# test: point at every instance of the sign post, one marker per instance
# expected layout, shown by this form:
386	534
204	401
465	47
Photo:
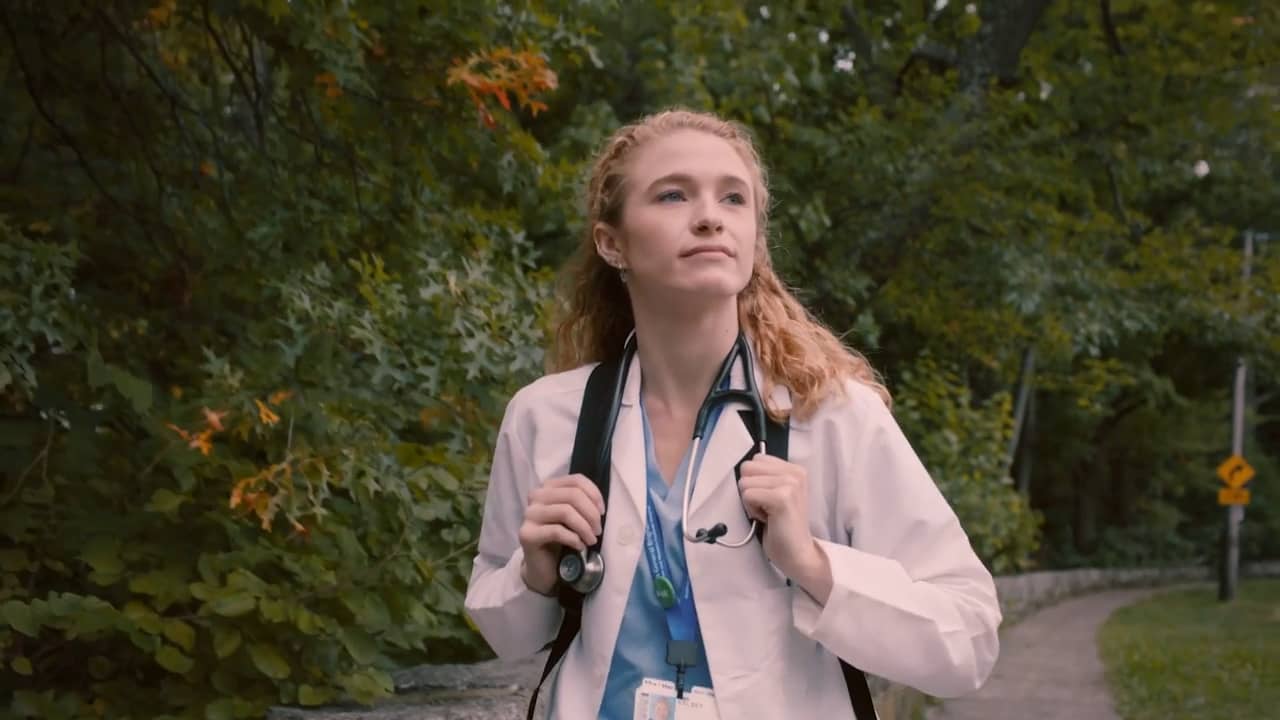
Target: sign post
1234	496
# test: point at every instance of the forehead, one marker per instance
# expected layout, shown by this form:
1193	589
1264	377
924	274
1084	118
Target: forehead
686	152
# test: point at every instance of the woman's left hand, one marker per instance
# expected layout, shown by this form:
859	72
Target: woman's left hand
776	492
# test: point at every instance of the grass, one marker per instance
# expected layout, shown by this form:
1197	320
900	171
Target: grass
1185	655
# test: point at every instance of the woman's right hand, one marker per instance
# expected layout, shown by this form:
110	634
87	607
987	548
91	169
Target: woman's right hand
564	512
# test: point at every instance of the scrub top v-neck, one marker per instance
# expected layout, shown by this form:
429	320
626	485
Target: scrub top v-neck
641	648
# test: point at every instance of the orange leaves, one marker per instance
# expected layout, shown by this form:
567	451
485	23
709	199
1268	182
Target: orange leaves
500	74
215	421
202	439
159	16
329	82
260	494
271	489
265	414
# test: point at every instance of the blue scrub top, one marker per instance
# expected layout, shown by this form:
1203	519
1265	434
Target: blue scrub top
641	650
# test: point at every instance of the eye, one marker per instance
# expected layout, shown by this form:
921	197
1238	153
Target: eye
671	195
736	198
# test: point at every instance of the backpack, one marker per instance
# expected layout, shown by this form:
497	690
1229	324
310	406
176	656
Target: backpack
592	450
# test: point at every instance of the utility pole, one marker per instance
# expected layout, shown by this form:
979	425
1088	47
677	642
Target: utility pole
1025	382
1235	513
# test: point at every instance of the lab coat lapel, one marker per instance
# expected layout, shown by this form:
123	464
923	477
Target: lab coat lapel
729	443
628	445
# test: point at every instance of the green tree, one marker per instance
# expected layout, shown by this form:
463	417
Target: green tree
266	290
269	272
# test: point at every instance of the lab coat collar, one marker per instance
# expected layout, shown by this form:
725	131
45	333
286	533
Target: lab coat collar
781	396
729	441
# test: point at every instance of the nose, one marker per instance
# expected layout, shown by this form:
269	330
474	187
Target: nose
708	225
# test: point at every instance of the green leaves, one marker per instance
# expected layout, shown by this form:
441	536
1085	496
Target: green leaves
233	604
22	666
180	634
18	616
268	661
172	659
134	389
360	644
166	502
103	555
226	640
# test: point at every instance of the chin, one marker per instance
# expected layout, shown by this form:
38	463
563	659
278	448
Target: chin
705	291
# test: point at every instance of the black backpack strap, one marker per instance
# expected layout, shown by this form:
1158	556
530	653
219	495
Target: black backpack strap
859	693
776	437
591	459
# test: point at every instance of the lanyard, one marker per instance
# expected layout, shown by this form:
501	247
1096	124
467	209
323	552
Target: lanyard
682	619
677	604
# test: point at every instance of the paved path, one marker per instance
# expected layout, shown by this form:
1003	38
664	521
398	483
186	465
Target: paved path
1049	667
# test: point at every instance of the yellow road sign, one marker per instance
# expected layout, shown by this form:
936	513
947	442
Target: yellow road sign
1235	471
1233	496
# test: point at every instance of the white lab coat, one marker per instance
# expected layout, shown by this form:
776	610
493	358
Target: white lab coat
910	602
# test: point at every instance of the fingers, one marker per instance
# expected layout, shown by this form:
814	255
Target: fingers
581	483
565	511
771	472
568	497
761	503
533	535
566	516
769	465
770	486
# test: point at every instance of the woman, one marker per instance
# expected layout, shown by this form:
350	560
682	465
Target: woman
861	559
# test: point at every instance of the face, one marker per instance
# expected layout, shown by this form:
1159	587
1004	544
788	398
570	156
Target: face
688	224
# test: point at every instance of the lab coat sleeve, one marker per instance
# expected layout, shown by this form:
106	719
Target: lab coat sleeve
514	620
910	600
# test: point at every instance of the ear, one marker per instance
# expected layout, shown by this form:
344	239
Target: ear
609	244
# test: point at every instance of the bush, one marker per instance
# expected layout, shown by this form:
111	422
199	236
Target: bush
255	344
963	444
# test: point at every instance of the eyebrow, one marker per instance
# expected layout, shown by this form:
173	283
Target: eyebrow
686	179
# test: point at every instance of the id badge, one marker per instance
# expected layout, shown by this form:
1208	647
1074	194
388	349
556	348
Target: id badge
656	700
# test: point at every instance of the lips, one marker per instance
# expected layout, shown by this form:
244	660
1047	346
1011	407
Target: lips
705	249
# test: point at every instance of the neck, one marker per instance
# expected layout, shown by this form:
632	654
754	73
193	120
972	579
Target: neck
681	353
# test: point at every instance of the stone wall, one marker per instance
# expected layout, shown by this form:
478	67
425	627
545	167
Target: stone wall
498	689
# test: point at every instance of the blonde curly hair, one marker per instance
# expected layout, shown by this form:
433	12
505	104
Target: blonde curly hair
594	316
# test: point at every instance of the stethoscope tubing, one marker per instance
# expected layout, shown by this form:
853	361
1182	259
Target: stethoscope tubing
751	395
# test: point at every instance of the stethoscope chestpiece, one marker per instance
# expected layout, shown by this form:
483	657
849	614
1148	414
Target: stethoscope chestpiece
582	571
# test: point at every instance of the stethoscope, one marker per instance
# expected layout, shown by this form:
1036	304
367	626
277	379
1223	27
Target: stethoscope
584	570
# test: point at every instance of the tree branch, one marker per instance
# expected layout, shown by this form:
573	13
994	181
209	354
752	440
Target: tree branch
856	34
937	56
249	97
105	78
996	49
67	138
247	38
145	66
866	55
14	174
223	166
1109	28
